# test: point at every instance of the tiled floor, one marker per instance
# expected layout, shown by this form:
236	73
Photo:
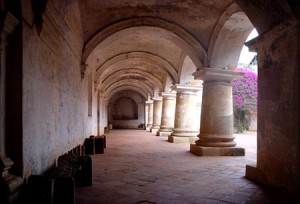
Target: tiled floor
139	167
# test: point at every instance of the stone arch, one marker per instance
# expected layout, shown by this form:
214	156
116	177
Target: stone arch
132	73
228	38
171	31
126	109
118	61
132	82
128	87
266	14
168	84
186	70
129	113
131	79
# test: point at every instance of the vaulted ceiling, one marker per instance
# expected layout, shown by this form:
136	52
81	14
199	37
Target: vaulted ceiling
153	44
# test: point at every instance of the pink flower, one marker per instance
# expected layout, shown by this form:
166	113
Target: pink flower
244	91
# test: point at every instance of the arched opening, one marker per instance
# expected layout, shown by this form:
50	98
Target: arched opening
245	90
126	110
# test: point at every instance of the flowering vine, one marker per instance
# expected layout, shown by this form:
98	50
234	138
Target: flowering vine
244	93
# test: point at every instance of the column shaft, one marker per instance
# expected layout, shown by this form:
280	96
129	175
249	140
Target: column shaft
168	114
185	126
217	116
150	115
157	108
146	114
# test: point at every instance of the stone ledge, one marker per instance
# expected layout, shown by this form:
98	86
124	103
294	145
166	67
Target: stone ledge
217	151
174	139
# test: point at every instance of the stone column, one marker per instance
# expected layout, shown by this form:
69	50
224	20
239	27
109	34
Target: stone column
168	114
198	107
157	107
185	127
146	114
150	114
216	133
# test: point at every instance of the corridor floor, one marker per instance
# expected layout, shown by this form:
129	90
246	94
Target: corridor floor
139	167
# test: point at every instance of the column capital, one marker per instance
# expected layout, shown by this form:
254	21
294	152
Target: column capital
157	98
168	94
148	101
179	88
217	75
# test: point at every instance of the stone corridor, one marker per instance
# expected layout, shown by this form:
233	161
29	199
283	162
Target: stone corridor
139	167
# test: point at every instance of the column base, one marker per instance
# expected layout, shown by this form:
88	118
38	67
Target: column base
176	139
154	130
253	173
217	151
164	133
148	127
10	185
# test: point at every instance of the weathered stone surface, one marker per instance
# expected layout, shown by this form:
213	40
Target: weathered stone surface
278	110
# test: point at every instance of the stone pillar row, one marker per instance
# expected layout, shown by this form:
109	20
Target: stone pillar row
216	128
173	114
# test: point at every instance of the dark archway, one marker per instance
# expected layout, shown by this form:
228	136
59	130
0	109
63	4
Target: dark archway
125	109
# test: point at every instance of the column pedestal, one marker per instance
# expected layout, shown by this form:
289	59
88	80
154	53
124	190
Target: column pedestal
185	130
216	133
9	184
168	114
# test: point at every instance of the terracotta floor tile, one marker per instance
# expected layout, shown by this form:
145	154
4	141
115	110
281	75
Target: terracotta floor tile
138	167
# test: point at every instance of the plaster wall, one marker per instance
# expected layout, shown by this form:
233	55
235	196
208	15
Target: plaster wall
55	106
102	114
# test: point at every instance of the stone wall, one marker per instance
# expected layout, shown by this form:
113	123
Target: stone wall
55	110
